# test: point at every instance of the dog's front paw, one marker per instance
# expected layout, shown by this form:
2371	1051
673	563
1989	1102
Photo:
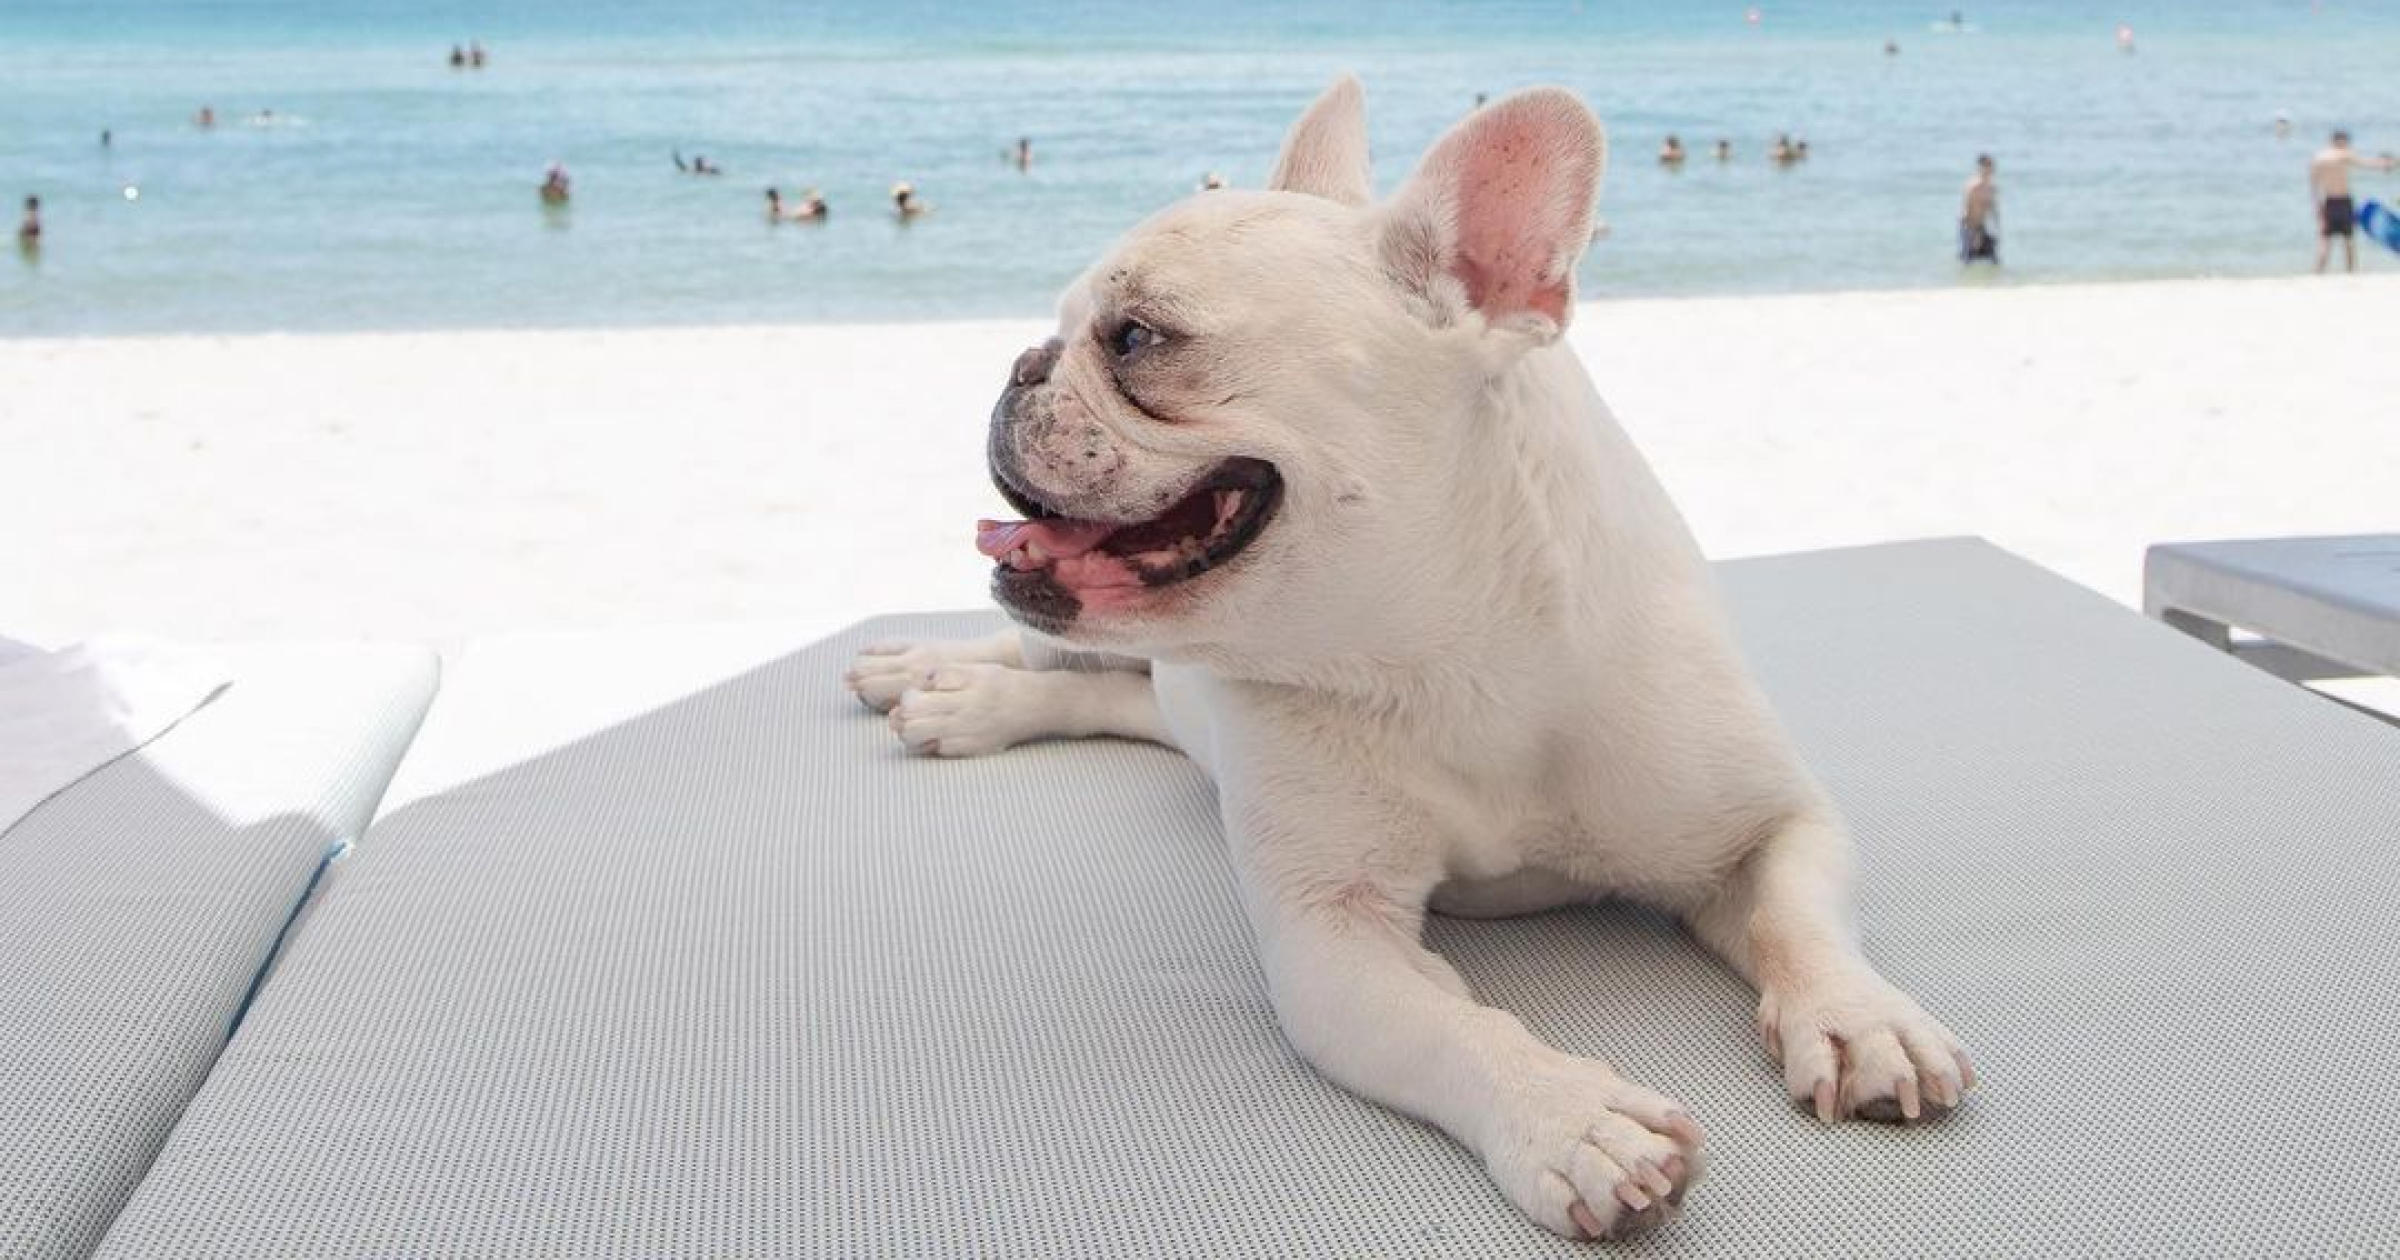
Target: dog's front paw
967	711
881	672
1588	1153
1853	1045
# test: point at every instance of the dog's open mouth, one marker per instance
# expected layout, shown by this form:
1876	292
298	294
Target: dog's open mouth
1224	512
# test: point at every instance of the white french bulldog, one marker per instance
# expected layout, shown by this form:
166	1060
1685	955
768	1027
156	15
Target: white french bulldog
1356	533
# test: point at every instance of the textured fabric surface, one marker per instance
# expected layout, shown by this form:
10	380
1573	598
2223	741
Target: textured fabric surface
734	977
138	906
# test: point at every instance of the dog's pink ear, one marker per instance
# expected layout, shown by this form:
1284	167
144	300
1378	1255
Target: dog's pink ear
1499	212
1325	154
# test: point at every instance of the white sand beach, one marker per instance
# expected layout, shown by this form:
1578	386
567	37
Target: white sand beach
445	485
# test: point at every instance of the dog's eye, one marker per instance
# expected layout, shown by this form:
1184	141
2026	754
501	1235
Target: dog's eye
1130	336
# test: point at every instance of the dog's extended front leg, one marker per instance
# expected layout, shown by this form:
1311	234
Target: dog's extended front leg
1575	1146
974	710
882	672
1851	1044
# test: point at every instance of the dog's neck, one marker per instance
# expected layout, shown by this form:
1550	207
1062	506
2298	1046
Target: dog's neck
1580	534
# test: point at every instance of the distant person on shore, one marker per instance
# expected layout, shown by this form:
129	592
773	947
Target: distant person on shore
1724	150
1891	48
1211	182
29	229
1024	157
1671	153
905	205
458	57
1979	216
205	119
2329	183
475	56
556	186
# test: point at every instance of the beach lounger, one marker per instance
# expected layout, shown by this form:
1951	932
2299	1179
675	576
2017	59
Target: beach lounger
664	948
2326	607
138	907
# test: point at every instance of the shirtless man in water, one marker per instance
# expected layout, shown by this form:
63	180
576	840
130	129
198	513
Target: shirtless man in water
1979	216
2329	183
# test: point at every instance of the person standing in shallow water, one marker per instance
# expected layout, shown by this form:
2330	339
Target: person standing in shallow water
29	229
1979	215
2329	184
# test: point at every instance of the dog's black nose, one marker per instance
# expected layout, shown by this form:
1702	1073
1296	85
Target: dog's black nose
1033	366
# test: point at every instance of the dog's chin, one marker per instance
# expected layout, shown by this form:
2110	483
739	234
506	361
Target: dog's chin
1107	583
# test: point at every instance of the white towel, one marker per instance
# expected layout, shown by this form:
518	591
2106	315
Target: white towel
67	713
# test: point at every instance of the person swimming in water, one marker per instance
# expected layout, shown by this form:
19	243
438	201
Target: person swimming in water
1670	154
1024	158
699	165
812	206
458	57
905	205
475	56
29	229
1724	150
206	118
556	186
1211	182
1781	153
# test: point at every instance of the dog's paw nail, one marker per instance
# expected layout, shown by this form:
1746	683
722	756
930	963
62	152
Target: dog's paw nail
1825	1112
1631	1196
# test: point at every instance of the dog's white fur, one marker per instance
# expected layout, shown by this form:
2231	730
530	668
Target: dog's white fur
1475	662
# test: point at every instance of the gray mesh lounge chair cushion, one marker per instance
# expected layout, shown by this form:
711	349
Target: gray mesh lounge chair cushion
735	977
137	907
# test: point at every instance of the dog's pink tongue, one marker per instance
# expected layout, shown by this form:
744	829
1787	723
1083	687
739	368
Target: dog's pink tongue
1058	540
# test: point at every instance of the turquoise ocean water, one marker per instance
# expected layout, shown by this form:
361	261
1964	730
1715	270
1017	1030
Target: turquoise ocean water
394	192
